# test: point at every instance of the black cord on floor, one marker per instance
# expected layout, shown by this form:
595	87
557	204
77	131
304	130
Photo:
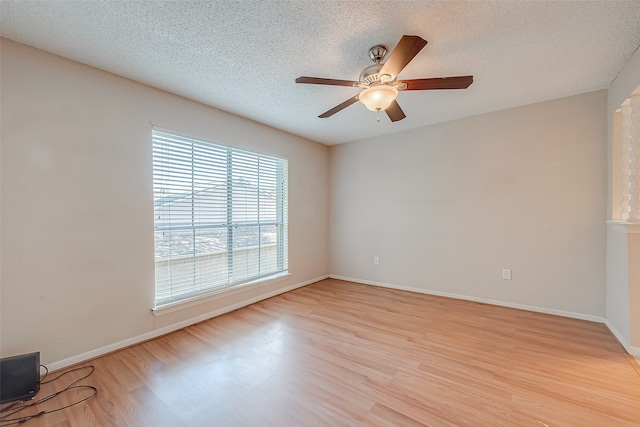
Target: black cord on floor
5	419
46	372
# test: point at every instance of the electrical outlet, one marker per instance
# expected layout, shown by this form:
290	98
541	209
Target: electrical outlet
506	274
376	260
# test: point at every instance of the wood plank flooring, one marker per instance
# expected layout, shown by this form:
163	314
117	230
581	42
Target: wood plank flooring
337	353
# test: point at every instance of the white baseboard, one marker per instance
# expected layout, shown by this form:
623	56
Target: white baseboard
621	339
171	328
563	313
634	351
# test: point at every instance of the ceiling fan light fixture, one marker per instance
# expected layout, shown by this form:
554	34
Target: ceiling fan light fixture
379	97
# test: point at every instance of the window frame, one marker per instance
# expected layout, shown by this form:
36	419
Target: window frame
231	225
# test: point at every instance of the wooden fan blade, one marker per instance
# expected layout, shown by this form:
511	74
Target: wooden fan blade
340	107
407	48
320	81
458	82
394	112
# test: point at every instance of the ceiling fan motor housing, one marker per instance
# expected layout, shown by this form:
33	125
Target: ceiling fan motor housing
371	74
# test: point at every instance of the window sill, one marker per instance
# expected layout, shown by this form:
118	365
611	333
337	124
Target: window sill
625	227
212	296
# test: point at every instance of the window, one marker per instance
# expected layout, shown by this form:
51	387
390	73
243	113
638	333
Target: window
220	217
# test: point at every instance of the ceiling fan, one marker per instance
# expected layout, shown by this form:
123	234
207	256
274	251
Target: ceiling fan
380	82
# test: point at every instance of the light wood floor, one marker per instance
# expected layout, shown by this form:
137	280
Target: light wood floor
343	354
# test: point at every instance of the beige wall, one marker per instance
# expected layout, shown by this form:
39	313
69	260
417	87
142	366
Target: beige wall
617	301
447	206
77	211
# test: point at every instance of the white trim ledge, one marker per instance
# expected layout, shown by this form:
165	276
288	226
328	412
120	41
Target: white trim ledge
582	316
215	295
625	227
171	328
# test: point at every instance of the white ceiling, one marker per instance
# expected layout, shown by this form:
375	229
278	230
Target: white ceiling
243	56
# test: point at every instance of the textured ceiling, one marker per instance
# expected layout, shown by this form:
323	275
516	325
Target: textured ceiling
243	56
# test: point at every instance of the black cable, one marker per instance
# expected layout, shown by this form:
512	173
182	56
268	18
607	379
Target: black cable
68	372
6	408
51	396
23	419
45	373
5	421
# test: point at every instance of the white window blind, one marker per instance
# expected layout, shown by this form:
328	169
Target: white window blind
220	216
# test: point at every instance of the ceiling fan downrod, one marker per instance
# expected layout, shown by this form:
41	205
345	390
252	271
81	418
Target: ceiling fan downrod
377	53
